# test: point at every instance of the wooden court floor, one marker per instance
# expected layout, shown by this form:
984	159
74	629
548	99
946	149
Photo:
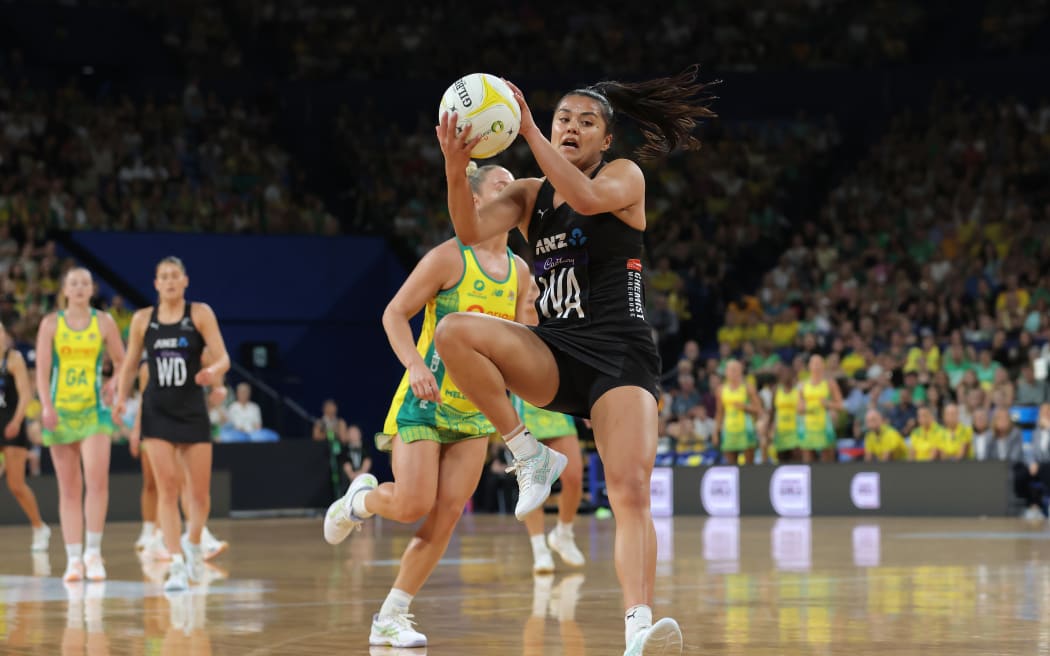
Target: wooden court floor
754	586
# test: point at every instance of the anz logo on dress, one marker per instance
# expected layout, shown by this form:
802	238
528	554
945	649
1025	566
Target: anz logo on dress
560	293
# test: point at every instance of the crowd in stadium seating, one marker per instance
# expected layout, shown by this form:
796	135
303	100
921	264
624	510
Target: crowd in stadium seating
321	40
106	163
925	284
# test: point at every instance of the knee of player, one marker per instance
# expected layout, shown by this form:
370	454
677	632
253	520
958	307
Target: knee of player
454	330
97	484
573	475
17	488
630	483
413	511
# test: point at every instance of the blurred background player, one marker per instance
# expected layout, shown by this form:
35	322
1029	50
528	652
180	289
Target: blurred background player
736	407
557	431
820	397
15	393
784	426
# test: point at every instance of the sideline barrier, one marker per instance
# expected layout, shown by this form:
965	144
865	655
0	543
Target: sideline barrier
124	489
964	489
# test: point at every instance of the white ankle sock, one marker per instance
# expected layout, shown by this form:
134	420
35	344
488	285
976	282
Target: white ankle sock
539	545
564	529
521	443
74	551
637	619
94	543
397	603
357	504
148	528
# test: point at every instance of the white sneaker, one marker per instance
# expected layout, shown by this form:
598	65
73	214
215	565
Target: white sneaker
382	650
144	539
194	559
395	631
212	546
155	549
1033	513
543	563
74	571
96	569
178	578
565	545
661	639
41	538
41	564
536	475
340	519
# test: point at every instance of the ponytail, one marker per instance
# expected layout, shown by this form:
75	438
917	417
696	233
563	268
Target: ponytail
476	175
666	109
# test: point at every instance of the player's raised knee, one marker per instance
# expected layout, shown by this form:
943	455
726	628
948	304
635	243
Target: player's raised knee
453	331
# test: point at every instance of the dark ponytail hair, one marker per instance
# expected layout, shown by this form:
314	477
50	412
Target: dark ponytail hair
666	109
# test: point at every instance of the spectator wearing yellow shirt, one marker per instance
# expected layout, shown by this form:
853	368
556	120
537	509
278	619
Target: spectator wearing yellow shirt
1013	289
784	330
882	443
929	352
956	438
925	439
663	278
732	333
858	358
755	330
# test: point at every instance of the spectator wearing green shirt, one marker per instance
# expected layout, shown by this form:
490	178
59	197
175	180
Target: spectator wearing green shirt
956	363
765	360
986	368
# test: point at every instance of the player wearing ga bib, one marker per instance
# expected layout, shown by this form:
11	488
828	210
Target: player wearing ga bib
956	439
785	432
76	382
543	424
455	418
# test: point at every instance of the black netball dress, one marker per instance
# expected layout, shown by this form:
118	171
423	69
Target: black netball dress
174	408
591	305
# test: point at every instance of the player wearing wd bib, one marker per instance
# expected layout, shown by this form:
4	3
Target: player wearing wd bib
76	382
785	425
174	334
455	418
956	439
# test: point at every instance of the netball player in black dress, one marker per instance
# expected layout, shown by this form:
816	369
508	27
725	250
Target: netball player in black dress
592	354
15	394
174	334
